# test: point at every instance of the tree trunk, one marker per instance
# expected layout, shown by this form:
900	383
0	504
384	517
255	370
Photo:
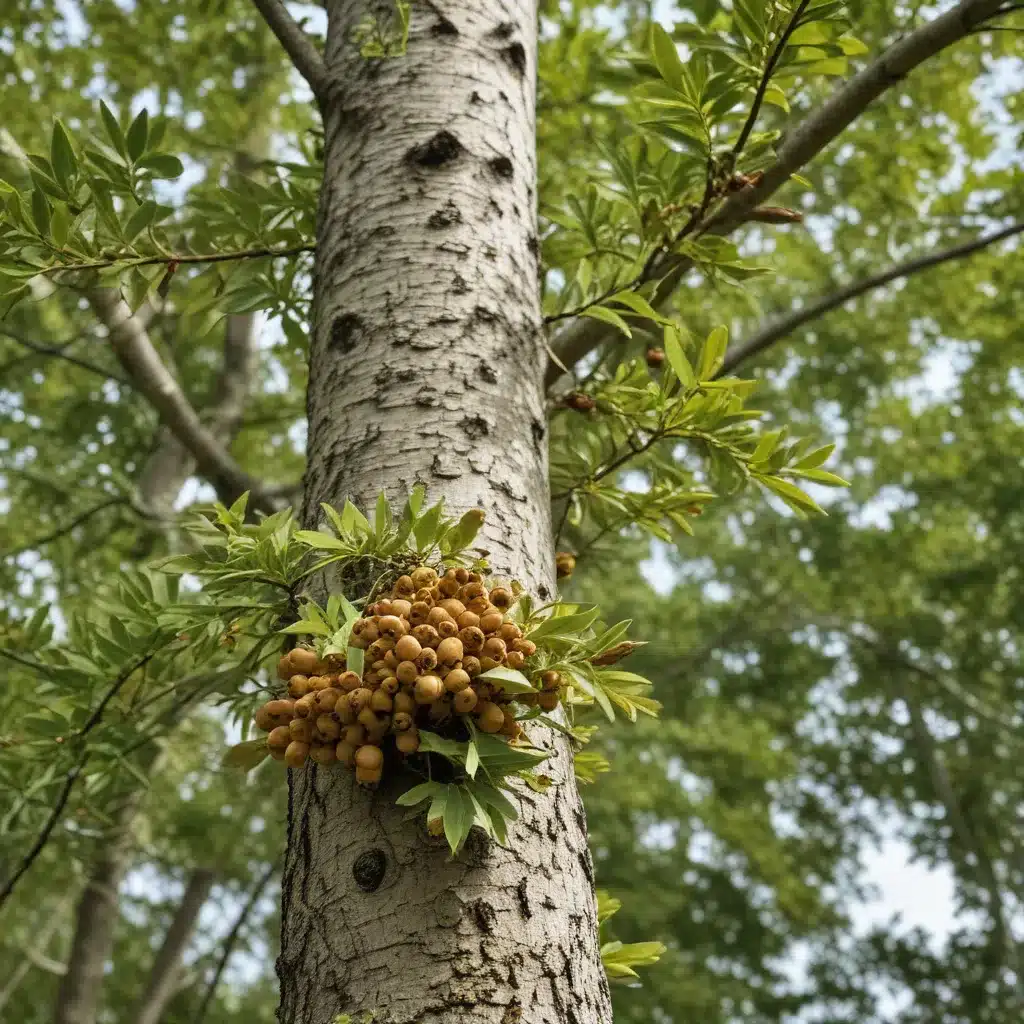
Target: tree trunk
426	364
78	997
165	975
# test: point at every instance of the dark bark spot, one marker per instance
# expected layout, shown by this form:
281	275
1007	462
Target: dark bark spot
437	151
501	166
459	285
483	914
515	54
369	868
444	28
513	1013
475	97
502	97
538	430
588	867
383	231
502	31
543	591
484	314
496	208
448	215
475	427
533	245
524	899
488	373
343	330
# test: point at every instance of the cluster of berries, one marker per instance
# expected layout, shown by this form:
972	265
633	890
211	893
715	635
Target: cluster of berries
427	646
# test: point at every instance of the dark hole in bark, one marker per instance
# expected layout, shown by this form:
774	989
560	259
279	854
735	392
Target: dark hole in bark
369	869
538	431
503	31
515	54
502	166
437	151
543	591
523	899
448	215
488	373
444	28
533	245
343	331
483	914
475	427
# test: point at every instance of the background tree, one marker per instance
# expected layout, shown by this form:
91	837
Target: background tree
816	674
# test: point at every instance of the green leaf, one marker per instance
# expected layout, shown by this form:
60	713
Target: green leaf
140	220
565	625
247	755
458	818
62	154
815	458
418	794
810	34
450	749
824	477
311	626
666	58
639	305
464	532
509	679
796	499
113	129
355	660
713	354
381	516
472	759
677	359
138	133
162	165
425	530
321	541
41	212
60	224
609	317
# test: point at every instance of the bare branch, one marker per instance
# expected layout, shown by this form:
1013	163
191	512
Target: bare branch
132	346
773	332
164	978
61	531
304	55
58	352
801	145
232	939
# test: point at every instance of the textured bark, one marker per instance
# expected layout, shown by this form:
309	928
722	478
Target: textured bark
165	976
96	916
427	364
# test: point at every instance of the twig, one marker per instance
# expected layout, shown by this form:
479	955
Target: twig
296	44
58	353
802	144
48	538
71	778
211	257
786	325
766	77
231	940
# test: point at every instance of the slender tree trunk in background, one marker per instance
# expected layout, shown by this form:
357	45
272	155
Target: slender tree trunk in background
78	997
166	973
426	364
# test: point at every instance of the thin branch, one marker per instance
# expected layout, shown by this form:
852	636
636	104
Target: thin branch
58	352
71	777
304	55
766	77
773	332
801	145
232	938
48	538
135	350
129	260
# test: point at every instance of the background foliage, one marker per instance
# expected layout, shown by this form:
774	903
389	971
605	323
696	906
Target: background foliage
826	682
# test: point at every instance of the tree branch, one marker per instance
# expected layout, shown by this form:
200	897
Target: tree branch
59	353
232	939
773	332
48	538
164	977
304	55
801	145
136	353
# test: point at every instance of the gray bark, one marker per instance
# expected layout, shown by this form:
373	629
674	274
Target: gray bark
95	919
426	364
165	976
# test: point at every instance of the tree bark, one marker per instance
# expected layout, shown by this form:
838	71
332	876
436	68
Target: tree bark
165	975
426	364
95	919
